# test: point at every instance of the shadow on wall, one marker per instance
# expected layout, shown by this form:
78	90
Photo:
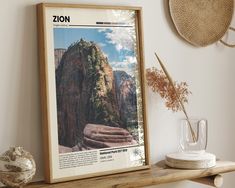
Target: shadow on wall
28	117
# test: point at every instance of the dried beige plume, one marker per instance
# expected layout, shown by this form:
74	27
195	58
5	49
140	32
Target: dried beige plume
175	94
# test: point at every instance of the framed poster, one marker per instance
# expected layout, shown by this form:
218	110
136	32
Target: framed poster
92	90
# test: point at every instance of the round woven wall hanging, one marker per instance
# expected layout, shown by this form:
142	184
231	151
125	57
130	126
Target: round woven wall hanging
202	22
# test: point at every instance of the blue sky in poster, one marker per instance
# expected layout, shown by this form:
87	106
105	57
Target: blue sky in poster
64	37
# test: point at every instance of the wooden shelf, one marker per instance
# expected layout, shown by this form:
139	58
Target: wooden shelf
157	174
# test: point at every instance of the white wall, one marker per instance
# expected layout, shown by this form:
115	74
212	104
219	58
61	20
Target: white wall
209	71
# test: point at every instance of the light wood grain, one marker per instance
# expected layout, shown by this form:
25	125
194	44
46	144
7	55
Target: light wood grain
141	63
214	181
157	174
42	57
90	6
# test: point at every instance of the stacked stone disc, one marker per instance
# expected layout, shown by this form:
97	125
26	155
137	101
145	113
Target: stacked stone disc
99	136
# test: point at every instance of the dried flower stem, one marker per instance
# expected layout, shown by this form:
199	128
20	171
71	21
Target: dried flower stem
177	96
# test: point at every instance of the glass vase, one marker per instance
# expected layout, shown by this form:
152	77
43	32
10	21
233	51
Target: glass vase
194	133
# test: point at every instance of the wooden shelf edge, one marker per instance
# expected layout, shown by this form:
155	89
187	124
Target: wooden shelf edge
157	174
214	181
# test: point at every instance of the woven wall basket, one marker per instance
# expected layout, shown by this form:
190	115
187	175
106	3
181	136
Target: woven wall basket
202	22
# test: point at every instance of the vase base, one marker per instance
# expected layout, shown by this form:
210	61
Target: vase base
190	160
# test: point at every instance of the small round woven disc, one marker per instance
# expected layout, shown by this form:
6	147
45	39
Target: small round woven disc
190	160
201	22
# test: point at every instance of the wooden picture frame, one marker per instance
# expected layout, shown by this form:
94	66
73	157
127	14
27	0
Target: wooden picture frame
92	90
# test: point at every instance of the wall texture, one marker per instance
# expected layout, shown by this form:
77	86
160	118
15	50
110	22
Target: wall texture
209	72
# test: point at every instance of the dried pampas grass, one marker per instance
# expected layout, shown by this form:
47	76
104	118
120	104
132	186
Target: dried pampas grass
159	83
175	94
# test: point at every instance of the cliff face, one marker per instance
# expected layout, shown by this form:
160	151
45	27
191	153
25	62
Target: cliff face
85	89
58	56
126	96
